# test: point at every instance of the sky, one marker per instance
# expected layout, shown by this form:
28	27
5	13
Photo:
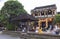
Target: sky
31	4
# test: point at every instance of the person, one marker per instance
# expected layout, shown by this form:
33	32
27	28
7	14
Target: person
36	29
56	28
24	29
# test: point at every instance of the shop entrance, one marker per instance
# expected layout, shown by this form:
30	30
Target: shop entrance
43	24
50	26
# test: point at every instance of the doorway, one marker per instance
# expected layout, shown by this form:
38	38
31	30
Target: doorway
43	24
50	26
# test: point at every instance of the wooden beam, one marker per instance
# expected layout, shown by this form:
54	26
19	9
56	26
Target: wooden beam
46	22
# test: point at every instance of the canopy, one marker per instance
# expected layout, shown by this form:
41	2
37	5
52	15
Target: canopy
24	18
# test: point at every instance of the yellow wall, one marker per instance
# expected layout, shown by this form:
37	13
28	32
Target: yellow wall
44	20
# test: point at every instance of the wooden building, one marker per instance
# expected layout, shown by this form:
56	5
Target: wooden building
23	21
45	15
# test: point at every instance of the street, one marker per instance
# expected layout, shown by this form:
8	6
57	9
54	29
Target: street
4	36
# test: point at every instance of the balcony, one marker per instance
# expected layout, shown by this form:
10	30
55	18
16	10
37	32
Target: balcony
44	16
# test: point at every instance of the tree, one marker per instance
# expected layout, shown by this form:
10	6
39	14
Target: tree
57	19
9	10
12	0
12	7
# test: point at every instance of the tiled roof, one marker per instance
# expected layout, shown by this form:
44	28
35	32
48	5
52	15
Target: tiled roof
24	17
46	6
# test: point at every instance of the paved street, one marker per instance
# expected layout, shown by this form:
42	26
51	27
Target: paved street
3	36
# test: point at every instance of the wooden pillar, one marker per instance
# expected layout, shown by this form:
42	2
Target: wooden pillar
52	12
28	25
46	23
33	14
39	23
40	13
44	13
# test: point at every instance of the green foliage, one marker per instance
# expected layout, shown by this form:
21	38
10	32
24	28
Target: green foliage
12	0
57	18
10	8
13	7
10	26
